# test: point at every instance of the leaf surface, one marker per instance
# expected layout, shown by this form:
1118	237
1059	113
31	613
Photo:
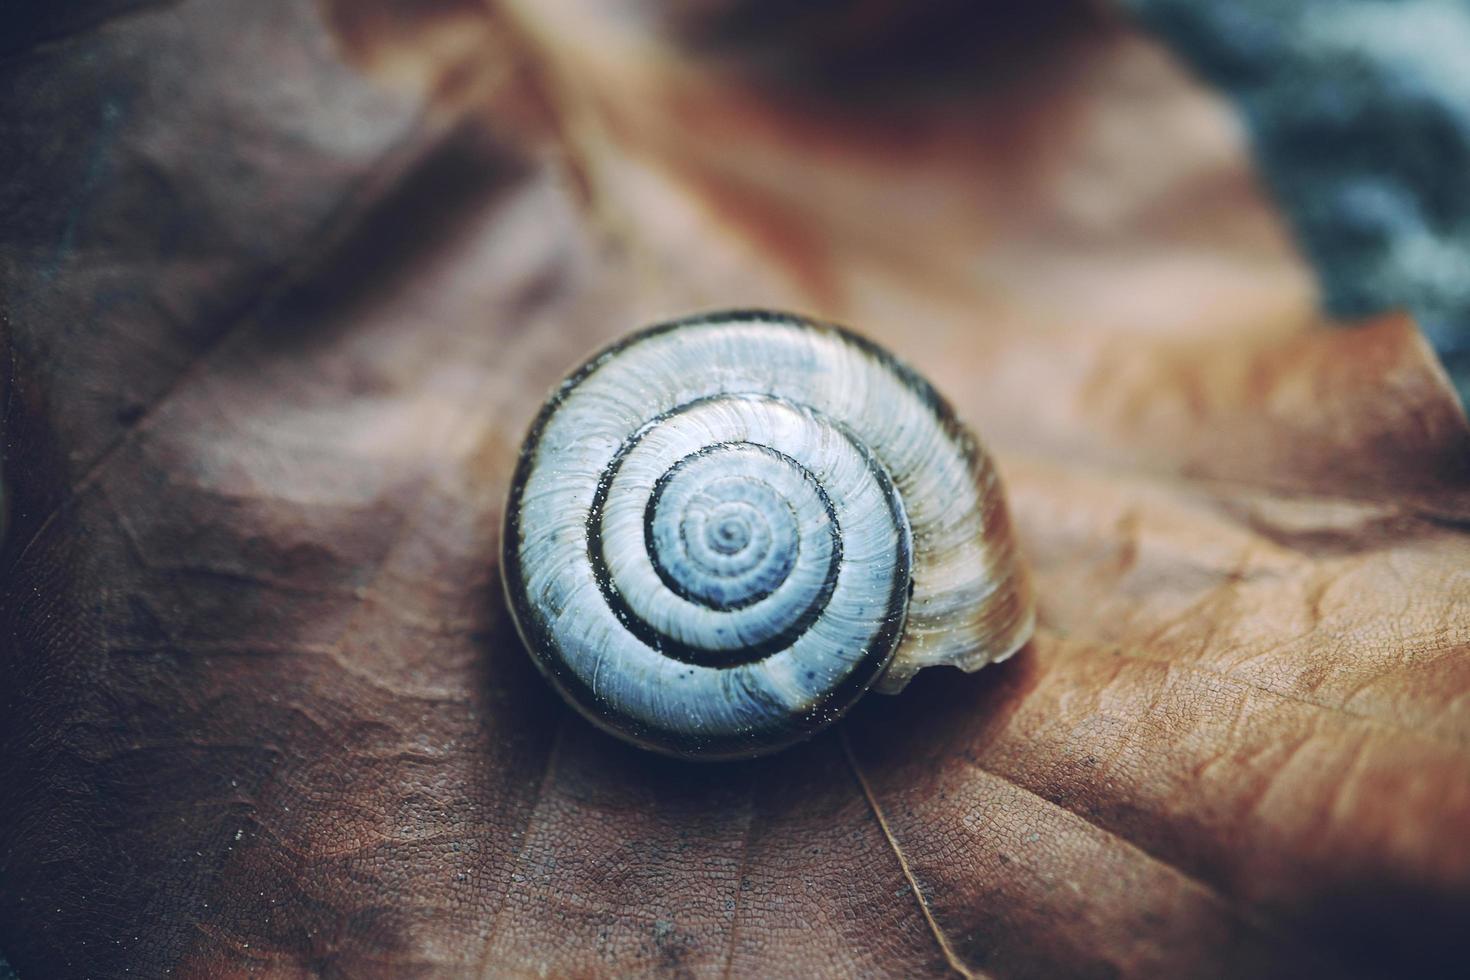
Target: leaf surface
285	283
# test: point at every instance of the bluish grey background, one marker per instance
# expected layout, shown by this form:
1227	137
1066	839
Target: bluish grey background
1359	111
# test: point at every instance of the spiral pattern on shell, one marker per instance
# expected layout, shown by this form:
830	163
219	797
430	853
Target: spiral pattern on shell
724	530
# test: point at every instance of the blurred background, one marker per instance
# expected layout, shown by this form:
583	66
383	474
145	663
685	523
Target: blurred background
1359	117
1078	142
1356	116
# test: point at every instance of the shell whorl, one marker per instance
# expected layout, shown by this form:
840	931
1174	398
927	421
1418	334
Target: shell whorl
723	530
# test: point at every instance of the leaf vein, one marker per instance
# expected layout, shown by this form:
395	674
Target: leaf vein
951	957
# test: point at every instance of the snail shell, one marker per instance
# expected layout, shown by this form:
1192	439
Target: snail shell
723	530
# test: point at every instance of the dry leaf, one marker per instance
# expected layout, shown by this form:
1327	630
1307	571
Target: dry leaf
284	283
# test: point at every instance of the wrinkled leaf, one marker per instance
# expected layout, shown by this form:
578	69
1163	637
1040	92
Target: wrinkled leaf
283	285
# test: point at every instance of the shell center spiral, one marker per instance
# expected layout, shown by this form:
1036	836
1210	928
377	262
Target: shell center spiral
723	552
726	525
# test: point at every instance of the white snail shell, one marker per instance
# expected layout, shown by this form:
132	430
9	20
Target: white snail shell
722	531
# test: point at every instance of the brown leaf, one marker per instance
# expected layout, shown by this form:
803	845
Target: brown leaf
274	329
